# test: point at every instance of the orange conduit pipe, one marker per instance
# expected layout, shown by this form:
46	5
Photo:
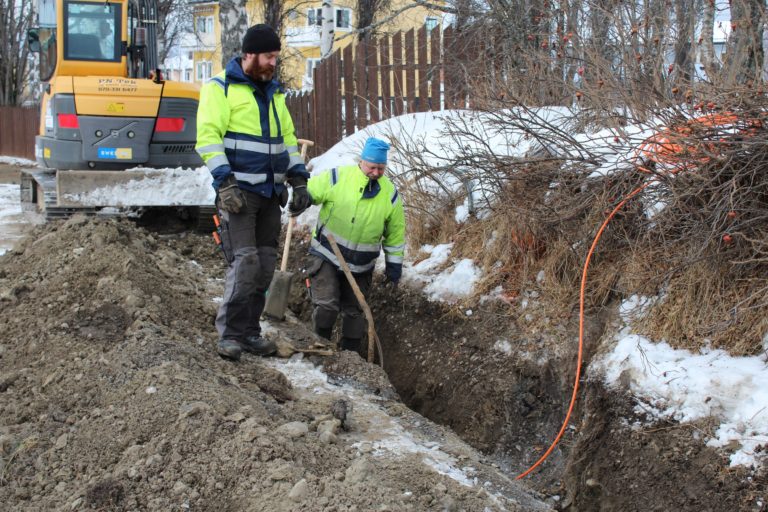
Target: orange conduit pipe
581	327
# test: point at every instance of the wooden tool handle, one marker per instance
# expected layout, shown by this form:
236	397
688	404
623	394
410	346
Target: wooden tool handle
372	337
287	245
304	145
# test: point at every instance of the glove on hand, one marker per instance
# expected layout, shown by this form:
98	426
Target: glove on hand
392	273
301	198
231	198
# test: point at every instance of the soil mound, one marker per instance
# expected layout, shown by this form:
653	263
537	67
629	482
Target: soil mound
112	397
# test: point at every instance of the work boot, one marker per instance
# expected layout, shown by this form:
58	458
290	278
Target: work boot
259	346
352	344
229	349
324	332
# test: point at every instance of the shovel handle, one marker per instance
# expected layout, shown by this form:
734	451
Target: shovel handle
304	143
287	245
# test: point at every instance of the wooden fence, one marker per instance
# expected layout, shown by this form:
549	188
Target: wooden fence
374	80
18	127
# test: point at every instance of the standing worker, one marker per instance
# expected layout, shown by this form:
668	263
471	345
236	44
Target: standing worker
245	136
361	208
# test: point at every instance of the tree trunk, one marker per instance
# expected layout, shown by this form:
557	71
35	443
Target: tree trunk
273	14
234	22
685	19
366	12
15	20
707	44
743	62
326	29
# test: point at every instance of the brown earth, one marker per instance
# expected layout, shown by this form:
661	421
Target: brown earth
112	396
511	404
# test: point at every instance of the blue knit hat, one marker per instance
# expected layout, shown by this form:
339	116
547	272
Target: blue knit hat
375	151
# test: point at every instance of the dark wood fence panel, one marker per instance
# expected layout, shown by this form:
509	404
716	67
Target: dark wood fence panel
410	71
372	73
372	80
398	64
361	86
18	127
386	71
423	68
349	92
435	71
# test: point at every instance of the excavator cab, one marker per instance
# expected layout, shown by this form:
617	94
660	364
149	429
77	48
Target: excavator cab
105	106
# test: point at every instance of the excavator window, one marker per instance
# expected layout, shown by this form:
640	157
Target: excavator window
92	31
42	40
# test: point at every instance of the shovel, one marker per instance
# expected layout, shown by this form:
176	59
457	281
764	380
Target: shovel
280	287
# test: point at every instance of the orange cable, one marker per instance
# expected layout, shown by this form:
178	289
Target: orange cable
581	327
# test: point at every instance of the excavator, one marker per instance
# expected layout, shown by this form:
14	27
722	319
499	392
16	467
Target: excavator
108	118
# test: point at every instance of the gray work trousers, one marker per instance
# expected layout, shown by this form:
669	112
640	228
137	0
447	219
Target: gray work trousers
249	239
331	294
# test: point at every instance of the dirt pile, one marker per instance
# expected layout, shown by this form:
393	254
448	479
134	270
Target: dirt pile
112	397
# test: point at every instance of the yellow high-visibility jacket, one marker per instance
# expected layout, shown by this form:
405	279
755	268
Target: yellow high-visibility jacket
247	131
362	215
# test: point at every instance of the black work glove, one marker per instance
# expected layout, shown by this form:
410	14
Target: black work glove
392	273
301	199
231	198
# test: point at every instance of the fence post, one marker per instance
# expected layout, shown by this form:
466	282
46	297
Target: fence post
384	70
360	87
410	71
423	105
349	91
435	69
397	72
372	74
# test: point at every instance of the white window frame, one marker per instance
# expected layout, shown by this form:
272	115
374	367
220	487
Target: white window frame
310	65
204	24
338	17
204	69
431	22
314	17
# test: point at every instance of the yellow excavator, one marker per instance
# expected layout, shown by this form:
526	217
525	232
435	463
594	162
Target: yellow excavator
106	108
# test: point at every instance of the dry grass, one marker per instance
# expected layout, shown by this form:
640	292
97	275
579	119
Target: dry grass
705	253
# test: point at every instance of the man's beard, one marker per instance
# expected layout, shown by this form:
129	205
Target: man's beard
261	73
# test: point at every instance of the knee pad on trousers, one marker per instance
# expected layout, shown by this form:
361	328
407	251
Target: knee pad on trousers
324	318
267	262
353	326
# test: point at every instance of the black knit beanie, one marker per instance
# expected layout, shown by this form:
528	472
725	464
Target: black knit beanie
261	38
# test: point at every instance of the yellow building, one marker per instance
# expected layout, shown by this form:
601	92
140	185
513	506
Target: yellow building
300	33
206	56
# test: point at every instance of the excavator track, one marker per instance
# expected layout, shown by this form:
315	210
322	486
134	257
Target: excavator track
38	192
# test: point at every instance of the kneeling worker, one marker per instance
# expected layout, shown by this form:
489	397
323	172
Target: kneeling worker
361	208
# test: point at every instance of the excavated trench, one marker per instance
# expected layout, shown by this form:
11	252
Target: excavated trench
496	388
506	390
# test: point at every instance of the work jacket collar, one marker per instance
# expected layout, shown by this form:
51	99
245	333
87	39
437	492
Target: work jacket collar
370	187
235	75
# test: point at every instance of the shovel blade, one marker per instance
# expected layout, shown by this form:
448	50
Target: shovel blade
278	294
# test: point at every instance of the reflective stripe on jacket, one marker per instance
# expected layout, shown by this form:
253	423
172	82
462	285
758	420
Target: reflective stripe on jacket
362	215
246	130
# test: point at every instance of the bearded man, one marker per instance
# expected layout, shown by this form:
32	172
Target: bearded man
246	138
